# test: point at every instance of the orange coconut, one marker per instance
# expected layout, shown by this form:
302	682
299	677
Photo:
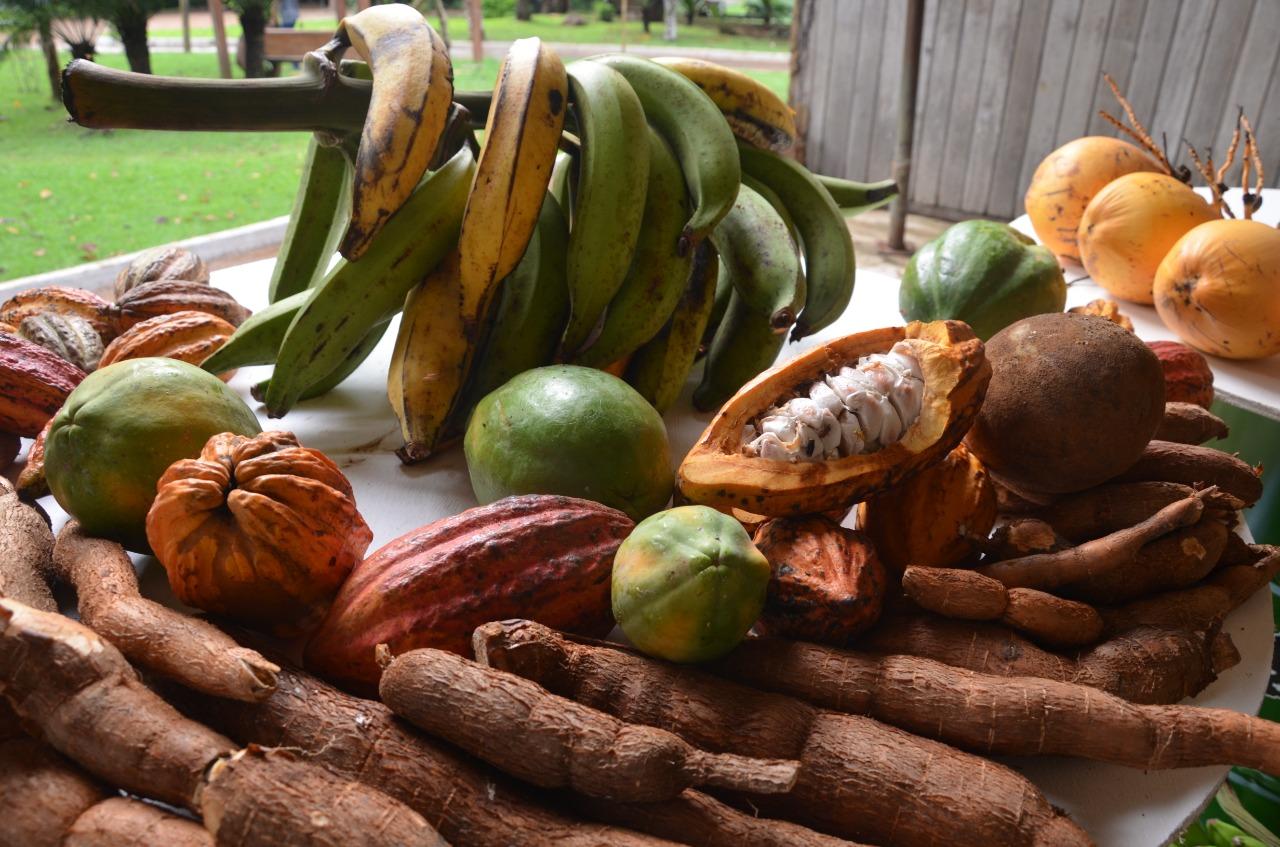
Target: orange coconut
1068	179
1219	289
1129	226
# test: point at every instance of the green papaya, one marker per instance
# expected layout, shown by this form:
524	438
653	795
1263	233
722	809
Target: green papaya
688	584
984	273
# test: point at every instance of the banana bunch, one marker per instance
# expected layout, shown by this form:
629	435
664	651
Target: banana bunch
624	214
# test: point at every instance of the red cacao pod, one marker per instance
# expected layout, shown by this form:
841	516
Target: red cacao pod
34	382
541	557
1187	376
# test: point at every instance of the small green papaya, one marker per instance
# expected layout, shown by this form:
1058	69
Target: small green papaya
688	584
984	273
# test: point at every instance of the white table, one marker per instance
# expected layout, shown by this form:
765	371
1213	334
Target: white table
354	425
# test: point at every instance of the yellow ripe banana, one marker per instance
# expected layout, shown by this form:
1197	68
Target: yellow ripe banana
520	139
429	365
408	107
756	115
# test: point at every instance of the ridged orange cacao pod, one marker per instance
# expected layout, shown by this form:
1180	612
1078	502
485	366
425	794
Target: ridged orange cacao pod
62	301
166	296
542	557
34	383
259	529
188	336
31	483
827	583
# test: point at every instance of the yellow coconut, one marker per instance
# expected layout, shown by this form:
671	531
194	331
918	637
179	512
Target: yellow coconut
1068	179
1128	228
1219	289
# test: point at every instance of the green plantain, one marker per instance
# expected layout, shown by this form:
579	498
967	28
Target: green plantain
724	288
659	369
317	223
762	259
853	198
613	171
257	340
744	345
354	360
658	275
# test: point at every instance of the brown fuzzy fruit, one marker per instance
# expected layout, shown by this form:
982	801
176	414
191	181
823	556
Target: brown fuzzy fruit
543	557
187	336
717	472
70	336
258	528
827	583
1187	376
935	518
1073	401
62	301
34	383
168	296
168	262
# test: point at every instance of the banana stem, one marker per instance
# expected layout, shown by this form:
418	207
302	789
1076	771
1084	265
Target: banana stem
98	98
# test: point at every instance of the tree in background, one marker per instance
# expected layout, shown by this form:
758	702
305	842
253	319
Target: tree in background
20	20
253	21
129	19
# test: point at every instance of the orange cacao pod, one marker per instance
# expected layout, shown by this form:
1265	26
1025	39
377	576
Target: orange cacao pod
31	483
936	518
827	584
61	301
188	336
34	382
542	557
164	297
168	262
260	529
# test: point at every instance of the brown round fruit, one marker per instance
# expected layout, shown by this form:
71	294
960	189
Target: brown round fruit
1073	401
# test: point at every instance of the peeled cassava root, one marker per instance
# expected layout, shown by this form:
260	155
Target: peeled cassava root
968	595
998	715
851	767
175	645
718	473
363	740
1150	664
86	702
556	743
26	545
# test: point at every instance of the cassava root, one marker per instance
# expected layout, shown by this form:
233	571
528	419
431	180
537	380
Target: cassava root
26	544
998	715
181	647
1047	571
1115	506
121	822
87	703
556	743
1187	423
1191	464
852	767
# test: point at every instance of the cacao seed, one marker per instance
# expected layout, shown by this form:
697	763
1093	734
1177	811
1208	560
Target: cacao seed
165	297
168	262
34	383
70	336
61	301
827	583
188	336
541	557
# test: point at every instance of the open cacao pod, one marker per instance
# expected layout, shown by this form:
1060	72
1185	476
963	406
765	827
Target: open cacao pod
190	337
542	557
718	472
258	528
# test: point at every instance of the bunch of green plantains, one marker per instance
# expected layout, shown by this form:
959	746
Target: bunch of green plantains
622	213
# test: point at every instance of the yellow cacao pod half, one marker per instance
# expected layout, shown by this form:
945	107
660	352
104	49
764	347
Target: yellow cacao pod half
165	297
168	262
59	300
34	383
190	337
719	472
936	518
259	529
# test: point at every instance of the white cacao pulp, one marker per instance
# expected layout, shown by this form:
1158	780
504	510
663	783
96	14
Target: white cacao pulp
858	410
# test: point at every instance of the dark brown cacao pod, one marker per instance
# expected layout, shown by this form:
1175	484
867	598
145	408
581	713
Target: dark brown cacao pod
70	336
168	262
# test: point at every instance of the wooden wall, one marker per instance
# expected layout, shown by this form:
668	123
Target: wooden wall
1004	82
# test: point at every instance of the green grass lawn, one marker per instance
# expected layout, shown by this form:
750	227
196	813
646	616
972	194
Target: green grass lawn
69	195
704	33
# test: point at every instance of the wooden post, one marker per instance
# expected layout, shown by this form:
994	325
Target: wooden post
184	6
339	9
906	123
220	38
475	19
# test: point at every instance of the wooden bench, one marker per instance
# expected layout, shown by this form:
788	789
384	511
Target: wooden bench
286	45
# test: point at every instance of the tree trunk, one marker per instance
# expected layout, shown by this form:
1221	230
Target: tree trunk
131	25
669	14
50	49
524	10
253	23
